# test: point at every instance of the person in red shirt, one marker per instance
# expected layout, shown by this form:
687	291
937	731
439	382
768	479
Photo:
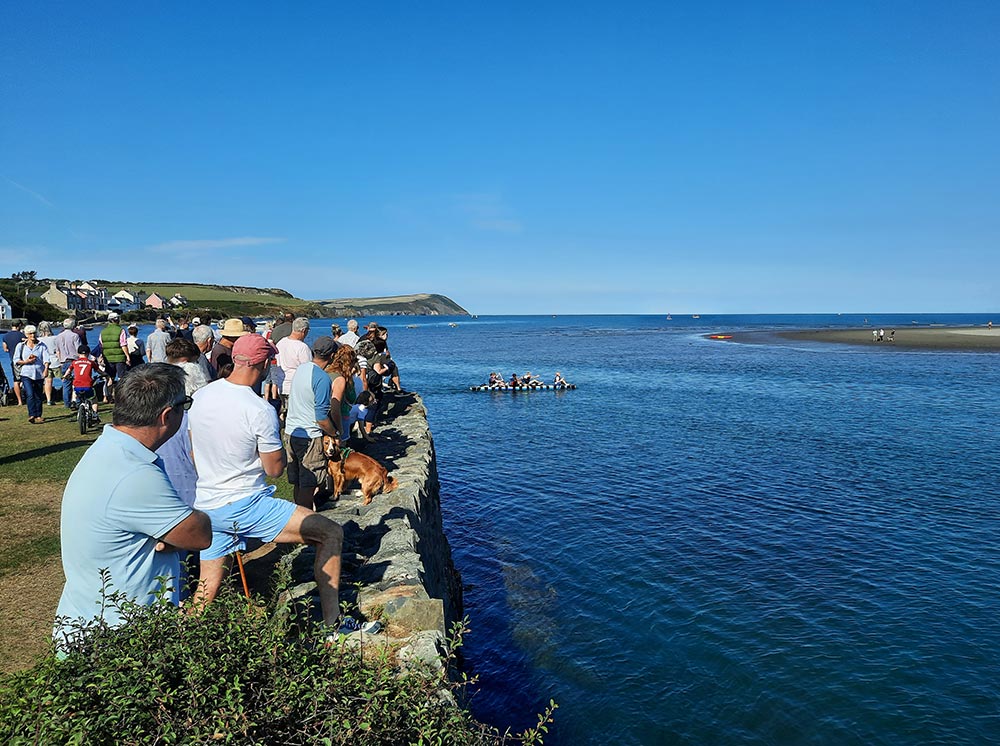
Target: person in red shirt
83	372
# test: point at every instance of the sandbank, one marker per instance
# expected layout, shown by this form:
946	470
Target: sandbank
974	338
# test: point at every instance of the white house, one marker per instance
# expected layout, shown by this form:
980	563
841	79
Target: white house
178	300
5	310
127	301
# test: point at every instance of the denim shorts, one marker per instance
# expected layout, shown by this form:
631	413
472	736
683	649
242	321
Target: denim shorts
259	516
273	375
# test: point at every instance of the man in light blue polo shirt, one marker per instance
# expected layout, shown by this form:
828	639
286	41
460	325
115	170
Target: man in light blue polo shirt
307	421
119	511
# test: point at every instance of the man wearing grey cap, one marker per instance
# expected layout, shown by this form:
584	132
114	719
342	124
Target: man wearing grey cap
307	421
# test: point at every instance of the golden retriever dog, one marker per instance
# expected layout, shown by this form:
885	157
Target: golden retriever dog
371	475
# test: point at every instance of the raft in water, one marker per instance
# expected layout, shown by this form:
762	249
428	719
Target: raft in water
541	387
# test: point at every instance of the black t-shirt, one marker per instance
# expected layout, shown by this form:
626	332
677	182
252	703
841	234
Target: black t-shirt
280	331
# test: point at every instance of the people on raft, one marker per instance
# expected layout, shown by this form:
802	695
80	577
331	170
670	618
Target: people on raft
529	380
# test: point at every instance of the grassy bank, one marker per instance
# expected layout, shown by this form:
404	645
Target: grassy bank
35	462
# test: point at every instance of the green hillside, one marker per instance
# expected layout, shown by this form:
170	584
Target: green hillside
219	301
224	301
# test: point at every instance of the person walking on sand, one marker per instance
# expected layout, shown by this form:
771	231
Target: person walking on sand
237	444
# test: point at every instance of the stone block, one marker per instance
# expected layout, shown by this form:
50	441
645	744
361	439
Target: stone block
411	614
425	647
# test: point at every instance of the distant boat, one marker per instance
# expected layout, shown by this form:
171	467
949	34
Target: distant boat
669	317
452	323
411	326
696	316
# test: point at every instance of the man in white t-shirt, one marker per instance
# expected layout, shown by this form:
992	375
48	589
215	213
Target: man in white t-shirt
237	444
351	338
292	352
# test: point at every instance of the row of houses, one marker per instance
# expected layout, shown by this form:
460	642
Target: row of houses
85	296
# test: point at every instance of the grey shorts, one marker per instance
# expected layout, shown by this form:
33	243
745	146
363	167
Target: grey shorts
306	461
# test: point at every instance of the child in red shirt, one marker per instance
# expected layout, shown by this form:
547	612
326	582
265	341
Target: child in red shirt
82	370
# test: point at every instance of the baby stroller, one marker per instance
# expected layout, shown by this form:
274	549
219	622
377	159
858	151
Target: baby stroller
5	389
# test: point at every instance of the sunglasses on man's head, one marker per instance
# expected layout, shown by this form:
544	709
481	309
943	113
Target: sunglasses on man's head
186	403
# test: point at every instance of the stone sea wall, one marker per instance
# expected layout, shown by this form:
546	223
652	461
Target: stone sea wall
397	563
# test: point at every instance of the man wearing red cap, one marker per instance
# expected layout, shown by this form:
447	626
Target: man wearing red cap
237	445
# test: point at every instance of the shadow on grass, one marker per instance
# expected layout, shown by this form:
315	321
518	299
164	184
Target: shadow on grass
39	452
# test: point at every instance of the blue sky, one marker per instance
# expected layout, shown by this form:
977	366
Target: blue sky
700	157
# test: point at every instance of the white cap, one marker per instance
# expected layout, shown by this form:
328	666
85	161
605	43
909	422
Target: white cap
112	316
196	320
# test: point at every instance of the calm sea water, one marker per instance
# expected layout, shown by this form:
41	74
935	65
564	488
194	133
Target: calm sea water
711	542
720	543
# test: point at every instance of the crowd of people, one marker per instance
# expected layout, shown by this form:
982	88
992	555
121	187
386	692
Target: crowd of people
39	358
197	429
528	380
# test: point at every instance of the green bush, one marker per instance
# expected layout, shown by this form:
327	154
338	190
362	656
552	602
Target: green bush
235	674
